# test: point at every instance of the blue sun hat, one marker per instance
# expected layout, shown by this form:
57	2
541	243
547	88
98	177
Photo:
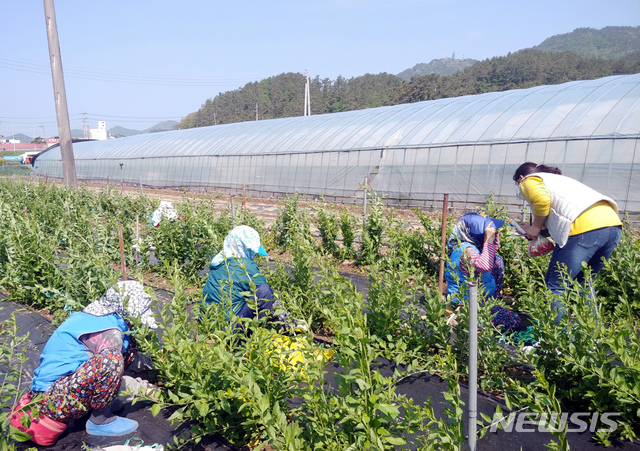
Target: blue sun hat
470	228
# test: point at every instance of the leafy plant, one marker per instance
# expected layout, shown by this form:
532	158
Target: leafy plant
328	227
372	230
346	228
12	360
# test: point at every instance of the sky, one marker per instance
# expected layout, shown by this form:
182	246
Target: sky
137	63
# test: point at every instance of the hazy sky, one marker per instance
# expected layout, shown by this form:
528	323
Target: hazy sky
137	63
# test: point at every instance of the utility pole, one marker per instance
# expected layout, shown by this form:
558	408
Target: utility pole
307	95
256	111
85	127
60	97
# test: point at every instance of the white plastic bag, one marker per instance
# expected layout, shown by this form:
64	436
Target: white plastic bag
540	246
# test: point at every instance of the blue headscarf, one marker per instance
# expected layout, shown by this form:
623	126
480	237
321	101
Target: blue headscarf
470	229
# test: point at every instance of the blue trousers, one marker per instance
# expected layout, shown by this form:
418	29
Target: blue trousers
590	247
264	298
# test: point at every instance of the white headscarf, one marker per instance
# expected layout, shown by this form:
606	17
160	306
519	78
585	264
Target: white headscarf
242	242
165	210
138	304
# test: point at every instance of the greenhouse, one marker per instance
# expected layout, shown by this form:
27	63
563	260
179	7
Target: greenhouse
413	154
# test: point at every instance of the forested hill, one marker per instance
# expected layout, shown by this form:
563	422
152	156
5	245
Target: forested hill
283	95
609	42
442	66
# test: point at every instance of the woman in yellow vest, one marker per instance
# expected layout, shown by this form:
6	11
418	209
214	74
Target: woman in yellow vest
583	222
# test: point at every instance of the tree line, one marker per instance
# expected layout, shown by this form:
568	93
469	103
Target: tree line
283	95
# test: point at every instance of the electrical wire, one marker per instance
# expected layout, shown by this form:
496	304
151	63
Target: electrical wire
119	77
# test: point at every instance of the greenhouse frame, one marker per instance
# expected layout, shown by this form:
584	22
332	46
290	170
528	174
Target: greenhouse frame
412	154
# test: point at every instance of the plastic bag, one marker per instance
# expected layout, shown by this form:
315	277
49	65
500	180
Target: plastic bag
540	246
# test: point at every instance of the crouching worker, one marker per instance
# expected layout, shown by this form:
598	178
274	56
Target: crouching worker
473	247
231	272
81	367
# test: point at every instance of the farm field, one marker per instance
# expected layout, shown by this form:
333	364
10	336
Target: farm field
60	249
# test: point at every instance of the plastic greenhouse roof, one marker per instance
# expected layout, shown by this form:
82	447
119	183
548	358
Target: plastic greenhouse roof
603	108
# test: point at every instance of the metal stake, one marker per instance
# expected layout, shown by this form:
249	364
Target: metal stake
124	264
473	364
364	206
445	208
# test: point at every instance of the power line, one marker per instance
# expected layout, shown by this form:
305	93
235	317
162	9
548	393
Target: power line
119	77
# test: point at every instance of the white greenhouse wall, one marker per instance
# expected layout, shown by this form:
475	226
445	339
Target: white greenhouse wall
415	153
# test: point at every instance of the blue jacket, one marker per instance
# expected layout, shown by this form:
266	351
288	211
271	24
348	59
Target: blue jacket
453	267
221	276
64	352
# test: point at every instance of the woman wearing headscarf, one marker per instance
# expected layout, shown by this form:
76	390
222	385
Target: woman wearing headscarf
583	223
231	273
473	247
82	364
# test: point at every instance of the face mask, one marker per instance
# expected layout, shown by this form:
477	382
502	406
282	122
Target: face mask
519	194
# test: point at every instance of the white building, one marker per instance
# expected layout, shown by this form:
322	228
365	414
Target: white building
99	133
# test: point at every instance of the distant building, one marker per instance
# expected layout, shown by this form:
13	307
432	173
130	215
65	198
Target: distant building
4	140
51	141
99	133
22	146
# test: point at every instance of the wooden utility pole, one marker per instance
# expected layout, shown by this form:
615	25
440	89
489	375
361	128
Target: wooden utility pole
60	97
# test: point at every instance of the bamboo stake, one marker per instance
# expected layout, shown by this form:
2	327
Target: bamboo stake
445	207
233	212
124	265
244	196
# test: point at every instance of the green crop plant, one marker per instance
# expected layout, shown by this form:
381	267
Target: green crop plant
328	225
364	413
395	317
348	236
433	239
63	250
12	361
618	284
31	272
592	363
372	231
191	240
291	224
227	384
